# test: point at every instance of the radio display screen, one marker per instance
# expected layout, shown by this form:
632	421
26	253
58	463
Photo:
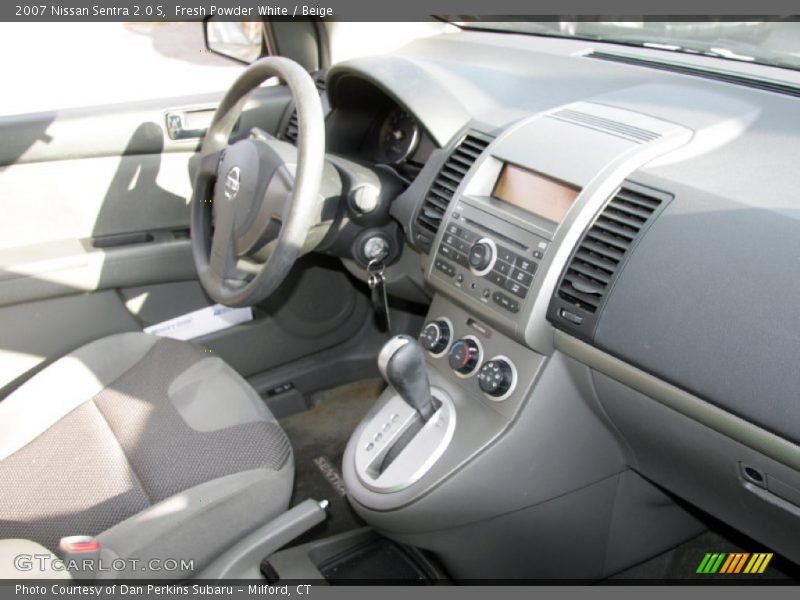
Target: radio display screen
535	193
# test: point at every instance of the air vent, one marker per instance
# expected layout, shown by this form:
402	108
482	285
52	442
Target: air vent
776	87
431	213
292	128
598	258
609	126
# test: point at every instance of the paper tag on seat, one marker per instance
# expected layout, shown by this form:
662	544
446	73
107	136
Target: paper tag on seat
201	322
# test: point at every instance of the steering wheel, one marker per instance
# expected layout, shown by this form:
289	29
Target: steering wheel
254	201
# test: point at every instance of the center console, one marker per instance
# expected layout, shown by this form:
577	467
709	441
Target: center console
513	456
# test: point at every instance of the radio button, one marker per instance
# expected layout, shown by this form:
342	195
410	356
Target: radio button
516	288
460	259
506	255
526	265
445	267
496	279
462	246
521	277
505	302
468	236
502	268
481	256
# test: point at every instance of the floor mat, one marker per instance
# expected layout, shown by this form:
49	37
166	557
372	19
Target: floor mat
319	437
681	562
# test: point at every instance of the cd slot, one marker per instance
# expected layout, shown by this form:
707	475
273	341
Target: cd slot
497	234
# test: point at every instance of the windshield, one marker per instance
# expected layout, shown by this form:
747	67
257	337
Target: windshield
775	43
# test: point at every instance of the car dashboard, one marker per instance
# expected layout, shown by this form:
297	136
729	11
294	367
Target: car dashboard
607	222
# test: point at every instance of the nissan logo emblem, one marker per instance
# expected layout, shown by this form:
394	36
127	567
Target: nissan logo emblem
232	182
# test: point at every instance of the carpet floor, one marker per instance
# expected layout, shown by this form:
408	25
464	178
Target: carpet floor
319	437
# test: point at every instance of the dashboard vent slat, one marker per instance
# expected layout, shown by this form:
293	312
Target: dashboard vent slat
612	228
292	128
444	186
633	209
460	160
597	260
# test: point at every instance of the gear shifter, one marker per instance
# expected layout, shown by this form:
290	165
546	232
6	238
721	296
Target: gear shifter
402	364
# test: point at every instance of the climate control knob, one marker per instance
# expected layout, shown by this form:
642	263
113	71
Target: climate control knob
496	377
435	336
464	356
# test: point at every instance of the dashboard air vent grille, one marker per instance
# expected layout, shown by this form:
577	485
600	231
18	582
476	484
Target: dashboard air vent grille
291	130
609	126
290	133
444	186
597	260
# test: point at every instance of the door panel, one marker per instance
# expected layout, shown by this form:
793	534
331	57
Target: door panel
110	130
94	240
94	172
92	197
64	267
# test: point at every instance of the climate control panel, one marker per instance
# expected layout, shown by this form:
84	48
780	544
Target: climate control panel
496	378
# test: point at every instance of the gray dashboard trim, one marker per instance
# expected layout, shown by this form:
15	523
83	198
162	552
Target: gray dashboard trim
683	402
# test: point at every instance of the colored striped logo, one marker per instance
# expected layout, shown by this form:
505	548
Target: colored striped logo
734	563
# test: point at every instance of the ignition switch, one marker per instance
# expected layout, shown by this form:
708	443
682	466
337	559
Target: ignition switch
375	247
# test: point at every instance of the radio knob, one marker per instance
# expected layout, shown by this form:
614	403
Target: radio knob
435	336
464	356
481	255
496	377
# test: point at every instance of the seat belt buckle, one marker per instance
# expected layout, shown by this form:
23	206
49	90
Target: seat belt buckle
81	555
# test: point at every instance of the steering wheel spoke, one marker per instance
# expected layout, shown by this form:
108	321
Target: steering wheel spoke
222	257
209	163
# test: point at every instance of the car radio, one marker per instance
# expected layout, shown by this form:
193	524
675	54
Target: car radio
489	259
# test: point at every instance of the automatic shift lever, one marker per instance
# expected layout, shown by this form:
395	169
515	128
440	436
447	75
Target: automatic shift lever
402	364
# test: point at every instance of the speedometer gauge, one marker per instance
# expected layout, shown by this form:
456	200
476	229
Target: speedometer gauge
398	137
